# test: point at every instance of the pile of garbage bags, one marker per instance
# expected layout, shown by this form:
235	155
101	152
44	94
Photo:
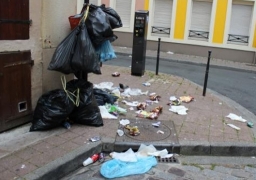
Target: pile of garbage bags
78	102
88	44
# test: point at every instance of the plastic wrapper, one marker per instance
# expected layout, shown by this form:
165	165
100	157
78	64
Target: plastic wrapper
87	112
106	51
116	168
52	109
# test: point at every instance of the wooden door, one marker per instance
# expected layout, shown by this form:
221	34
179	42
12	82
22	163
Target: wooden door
15	88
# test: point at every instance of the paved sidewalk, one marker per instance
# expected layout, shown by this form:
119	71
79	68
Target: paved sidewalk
49	154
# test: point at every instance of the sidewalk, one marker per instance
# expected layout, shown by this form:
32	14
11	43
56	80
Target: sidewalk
49	154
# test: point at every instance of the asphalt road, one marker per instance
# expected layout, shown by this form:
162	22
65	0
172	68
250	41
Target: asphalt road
238	85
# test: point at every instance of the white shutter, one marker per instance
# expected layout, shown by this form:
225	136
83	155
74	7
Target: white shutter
240	19
95	2
201	16
163	13
123	8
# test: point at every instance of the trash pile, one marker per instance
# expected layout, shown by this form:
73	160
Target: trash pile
235	117
81	52
129	163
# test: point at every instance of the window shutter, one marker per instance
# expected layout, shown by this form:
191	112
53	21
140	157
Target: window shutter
163	13
240	19
14	19
201	16
123	8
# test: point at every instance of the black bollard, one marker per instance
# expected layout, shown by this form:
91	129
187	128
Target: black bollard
158	52
207	72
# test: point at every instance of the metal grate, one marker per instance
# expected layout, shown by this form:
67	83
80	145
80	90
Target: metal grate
198	34
172	159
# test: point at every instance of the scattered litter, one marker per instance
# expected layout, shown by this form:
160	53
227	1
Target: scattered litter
186	99
233	126
153	114
220	103
131	108
23	166
253	157
120	132
154	97
235	117
133	92
149	102
156	124
250	124
176	102
152	94
115	109
169	52
105	114
91	160
124	122
130	56
134	103
66	125
116	92
115	168
160	132
133	130
173	98
116	74
123	87
146	84
127	156
104	85
181	110
95	139
101	157
141	106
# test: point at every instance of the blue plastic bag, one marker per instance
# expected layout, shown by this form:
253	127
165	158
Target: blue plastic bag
106	51
116	168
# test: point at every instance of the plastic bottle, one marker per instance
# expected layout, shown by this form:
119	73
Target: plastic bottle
91	160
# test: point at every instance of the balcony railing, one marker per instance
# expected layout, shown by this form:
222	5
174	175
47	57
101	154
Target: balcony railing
238	38
198	34
160	30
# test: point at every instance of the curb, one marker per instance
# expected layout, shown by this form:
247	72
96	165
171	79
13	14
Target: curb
73	160
193	63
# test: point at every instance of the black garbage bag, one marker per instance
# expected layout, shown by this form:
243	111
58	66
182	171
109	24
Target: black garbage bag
99	27
88	112
51	110
85	58
62	57
103	97
112	16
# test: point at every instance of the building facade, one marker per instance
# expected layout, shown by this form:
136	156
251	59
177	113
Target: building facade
193	27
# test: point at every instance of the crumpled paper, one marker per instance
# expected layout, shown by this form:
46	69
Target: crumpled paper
181	110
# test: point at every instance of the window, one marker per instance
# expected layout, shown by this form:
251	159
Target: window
241	16
14	19
125	10
161	25
200	20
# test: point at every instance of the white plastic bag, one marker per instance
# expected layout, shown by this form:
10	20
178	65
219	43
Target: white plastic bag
235	117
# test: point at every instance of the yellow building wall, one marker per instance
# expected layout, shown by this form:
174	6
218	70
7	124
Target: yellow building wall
220	21
180	21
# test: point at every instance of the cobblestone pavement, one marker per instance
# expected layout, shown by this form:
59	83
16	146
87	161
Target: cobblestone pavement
189	168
